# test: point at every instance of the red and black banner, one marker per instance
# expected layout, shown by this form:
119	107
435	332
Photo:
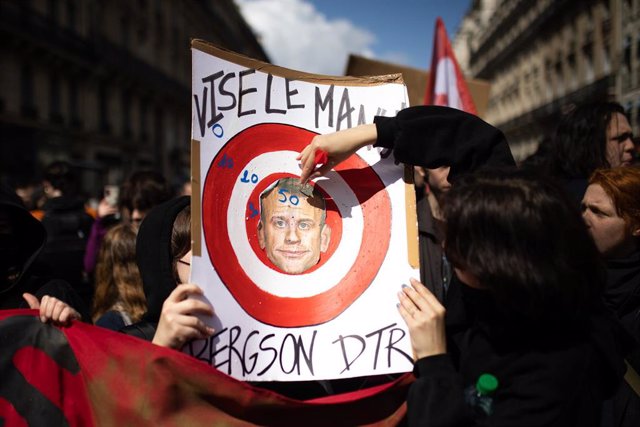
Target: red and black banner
84	376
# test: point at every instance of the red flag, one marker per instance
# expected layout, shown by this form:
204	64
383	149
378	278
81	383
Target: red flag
446	84
84	375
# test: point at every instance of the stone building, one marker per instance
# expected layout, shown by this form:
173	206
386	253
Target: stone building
105	84
544	57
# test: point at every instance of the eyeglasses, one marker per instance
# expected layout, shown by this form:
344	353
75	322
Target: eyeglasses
184	262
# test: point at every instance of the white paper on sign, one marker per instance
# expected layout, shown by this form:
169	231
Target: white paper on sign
303	281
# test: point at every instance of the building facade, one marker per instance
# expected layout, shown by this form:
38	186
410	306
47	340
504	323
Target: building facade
105	84
544	57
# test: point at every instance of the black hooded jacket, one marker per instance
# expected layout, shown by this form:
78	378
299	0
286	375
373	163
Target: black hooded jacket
22	238
153	253
549	374
433	136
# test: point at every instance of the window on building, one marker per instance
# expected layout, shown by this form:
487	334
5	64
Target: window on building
559	76
73	103
103	108
126	114
27	102
125	32
606	58
627	52
548	71
52	11
55	103
144	108
175	41
571	61
72	18
159	24
587	51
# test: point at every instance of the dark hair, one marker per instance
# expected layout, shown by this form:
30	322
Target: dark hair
144	190
62	176
180	237
525	242
580	143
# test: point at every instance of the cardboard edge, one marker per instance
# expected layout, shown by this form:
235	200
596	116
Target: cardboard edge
411	218
290	74
196	218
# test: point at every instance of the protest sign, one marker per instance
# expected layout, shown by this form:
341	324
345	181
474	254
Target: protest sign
303	280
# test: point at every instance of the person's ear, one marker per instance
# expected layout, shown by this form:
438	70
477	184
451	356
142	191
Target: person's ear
261	238
325	238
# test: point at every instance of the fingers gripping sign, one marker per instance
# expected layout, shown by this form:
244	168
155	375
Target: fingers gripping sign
424	316
52	309
332	149
179	322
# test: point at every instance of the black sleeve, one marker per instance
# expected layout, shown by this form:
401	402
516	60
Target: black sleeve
433	136
436	398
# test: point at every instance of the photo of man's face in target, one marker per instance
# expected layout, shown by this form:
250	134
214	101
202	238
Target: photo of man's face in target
292	229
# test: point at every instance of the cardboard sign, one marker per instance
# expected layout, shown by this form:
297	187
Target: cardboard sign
303	280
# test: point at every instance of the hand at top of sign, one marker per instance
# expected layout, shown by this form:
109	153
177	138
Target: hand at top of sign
178	321
338	146
424	316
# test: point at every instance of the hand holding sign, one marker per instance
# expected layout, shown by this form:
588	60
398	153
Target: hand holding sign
178	322
424	316
338	146
52	309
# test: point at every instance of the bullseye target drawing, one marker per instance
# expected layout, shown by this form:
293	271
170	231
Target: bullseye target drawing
358	213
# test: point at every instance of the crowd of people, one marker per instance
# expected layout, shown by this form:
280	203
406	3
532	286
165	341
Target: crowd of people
530	273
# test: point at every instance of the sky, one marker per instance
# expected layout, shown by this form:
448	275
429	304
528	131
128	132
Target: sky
317	36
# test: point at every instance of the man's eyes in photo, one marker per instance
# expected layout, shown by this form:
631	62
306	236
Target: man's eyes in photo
279	223
305	225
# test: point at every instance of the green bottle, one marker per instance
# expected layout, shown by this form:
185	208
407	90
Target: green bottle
480	396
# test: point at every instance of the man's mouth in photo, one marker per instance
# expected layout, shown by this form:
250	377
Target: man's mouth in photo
292	253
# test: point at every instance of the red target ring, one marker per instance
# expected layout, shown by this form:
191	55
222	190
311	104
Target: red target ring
222	176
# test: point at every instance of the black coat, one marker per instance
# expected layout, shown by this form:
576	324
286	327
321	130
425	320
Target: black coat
68	226
549	374
622	296
155	262
22	239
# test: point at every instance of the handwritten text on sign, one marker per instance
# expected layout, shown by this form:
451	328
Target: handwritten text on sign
337	316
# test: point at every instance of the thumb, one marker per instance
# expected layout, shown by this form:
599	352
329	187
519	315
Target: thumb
31	300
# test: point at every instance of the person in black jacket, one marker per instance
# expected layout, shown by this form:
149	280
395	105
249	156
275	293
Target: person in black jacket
444	143
536	320
592	136
611	210
22	237
163	252
68	225
530	311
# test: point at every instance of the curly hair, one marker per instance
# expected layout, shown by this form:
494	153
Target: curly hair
118	280
580	143
622	184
